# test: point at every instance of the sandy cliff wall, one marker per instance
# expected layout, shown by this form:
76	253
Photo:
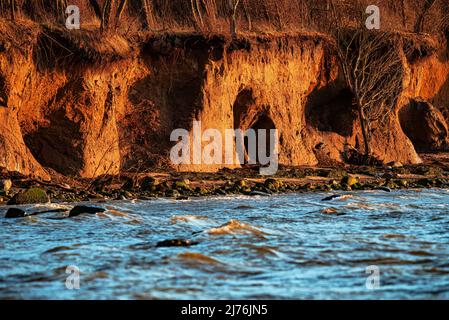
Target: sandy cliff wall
80	113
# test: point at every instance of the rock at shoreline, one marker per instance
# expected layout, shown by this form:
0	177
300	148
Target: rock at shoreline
148	184
350	181
14	213
273	184
176	243
181	185
337	173
78	210
386	189
5	186
259	193
30	196
333	197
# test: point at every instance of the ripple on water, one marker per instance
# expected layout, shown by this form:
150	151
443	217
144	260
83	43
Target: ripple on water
279	247
236	227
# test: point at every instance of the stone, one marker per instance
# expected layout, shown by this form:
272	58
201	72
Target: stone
336	173
221	192
424	182
333	197
181	184
241	183
259	193
128	195
383	189
403	183
30	196
5	186
173	193
395	164
349	180
79	210
13	213
389	176
273	184
176	243
148	184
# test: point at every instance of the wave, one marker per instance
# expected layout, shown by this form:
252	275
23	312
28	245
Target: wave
187	218
236	227
198	257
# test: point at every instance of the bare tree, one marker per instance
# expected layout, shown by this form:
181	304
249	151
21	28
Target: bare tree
233	6
106	14
120	9
96	7
247	14
419	25
60	7
197	15
372	66
148	13
12	8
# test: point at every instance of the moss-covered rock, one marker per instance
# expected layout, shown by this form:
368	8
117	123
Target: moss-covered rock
337	173
273	184
173	193
241	183
148	184
30	196
403	183
349	180
424	183
181	184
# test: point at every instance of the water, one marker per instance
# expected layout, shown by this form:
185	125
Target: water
283	247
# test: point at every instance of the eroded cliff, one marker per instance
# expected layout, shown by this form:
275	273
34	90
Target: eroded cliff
85	105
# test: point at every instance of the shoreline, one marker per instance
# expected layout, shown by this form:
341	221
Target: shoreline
247	182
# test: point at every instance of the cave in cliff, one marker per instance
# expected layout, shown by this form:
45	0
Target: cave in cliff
262	148
331	110
249	116
86	105
425	126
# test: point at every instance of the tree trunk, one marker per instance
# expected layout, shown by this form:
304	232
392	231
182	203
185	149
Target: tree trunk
106	14
247	14
365	133
419	25
94	4
234	5
120	9
197	17
148	14
60	7
12	4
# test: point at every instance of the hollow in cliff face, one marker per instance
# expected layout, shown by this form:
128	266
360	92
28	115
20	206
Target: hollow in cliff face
331	111
263	148
425	126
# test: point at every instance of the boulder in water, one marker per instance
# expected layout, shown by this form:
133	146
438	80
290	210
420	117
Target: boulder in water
259	193
330	198
78	210
176	243
13	213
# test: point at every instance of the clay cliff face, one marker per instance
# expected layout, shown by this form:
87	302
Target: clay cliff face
99	115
